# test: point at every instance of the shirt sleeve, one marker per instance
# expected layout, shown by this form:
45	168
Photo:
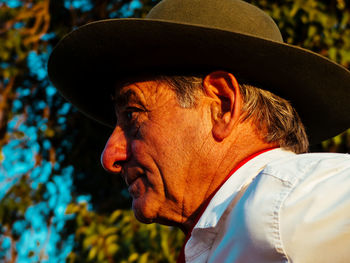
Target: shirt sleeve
315	216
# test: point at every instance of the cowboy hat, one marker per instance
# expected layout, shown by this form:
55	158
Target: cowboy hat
180	36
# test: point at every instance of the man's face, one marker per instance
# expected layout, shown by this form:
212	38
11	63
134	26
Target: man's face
160	150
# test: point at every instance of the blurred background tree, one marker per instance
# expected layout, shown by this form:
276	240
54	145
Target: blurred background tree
57	204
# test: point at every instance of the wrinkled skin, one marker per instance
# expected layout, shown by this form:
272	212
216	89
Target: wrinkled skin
173	158
160	149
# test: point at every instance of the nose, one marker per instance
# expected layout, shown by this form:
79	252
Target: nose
115	152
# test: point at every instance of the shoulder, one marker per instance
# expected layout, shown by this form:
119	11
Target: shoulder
314	215
295	177
290	194
293	197
295	168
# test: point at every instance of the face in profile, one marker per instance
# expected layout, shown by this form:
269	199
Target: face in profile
157	147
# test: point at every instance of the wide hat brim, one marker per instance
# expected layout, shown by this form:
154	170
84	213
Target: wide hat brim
86	63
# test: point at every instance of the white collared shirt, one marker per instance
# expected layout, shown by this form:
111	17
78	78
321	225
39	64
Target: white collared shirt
278	207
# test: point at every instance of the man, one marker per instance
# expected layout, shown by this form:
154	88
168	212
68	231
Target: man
201	139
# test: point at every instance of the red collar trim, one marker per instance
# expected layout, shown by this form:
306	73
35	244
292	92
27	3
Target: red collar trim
181	258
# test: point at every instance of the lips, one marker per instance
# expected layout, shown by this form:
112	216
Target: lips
129	181
132	180
131	175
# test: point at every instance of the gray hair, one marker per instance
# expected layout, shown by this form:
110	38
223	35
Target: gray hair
274	117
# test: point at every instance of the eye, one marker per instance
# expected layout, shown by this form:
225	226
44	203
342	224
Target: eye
131	120
131	113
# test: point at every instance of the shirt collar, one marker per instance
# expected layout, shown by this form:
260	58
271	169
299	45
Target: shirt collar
237	179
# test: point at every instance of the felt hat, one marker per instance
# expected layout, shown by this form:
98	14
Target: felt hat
180	36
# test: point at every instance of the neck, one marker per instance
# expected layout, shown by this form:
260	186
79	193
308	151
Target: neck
207	172
215	185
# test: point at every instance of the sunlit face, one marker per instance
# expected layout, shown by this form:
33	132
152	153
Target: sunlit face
160	149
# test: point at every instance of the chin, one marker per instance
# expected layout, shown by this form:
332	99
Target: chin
143	212
141	218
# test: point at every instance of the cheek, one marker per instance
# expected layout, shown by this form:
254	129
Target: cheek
165	147
158	155
144	155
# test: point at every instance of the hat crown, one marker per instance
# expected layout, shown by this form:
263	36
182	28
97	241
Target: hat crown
231	15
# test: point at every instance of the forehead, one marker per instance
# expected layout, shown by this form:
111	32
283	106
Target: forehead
143	91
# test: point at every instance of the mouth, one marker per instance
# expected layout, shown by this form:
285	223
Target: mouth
132	175
129	181
134	184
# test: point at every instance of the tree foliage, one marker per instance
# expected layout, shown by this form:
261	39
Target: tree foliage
57	203
118	237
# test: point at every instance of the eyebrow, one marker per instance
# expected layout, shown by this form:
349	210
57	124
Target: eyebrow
123	99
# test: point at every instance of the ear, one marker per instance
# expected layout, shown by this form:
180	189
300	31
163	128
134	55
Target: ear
223	88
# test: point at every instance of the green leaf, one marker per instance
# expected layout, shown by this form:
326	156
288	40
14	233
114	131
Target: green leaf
111	239
100	255
89	241
295	9
92	253
71	209
115	215
312	31
109	231
133	257
144	258
332	53
337	139
112	249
